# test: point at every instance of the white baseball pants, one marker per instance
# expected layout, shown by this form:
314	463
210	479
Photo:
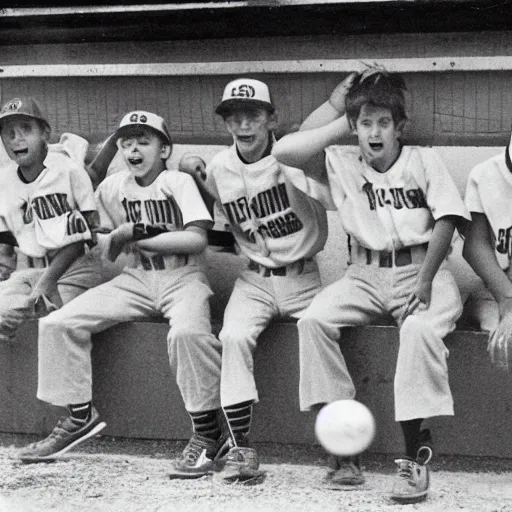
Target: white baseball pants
15	307
181	296
365	292
255	300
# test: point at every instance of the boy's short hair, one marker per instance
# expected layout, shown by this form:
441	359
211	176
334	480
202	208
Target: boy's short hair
377	88
143	119
245	93
23	106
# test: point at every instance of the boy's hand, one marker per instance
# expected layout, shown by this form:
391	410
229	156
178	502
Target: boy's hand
193	165
501	339
45	297
117	239
421	295
337	98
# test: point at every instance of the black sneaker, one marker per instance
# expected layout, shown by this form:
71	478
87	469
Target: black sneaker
65	436
344	473
198	458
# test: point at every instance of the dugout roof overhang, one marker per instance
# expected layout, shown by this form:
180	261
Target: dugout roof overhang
125	21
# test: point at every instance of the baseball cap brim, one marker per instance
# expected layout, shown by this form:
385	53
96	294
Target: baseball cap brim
7	115
131	129
235	103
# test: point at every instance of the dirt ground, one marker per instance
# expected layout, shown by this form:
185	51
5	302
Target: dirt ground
119	475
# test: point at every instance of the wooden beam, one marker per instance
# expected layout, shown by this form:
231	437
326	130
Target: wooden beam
405	65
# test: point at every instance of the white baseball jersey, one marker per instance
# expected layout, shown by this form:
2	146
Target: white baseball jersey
397	208
277	215
489	191
44	215
173	199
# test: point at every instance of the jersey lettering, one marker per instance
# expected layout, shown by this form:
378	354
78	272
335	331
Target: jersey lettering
158	211
51	205
398	197
75	224
268	202
504	241
265	204
28	216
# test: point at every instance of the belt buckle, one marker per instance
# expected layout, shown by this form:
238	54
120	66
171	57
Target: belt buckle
403	257
279	271
385	259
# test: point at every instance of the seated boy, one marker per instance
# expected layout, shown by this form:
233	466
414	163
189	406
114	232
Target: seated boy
399	206
488	242
160	214
279	222
47	212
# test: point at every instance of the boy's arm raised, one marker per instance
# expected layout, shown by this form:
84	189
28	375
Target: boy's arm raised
98	168
332	109
304	149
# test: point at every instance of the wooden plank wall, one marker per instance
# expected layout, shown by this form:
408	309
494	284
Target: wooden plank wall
446	108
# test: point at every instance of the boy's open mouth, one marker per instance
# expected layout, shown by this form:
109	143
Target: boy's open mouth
245	138
135	160
376	146
18	152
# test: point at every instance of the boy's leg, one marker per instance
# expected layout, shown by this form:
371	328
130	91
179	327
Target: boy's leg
324	377
353	300
65	373
250	308
15	305
421	381
195	359
88	271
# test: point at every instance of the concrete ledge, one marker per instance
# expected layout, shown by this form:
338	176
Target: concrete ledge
137	396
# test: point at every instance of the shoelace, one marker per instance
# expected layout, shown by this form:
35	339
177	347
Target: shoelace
193	450
56	433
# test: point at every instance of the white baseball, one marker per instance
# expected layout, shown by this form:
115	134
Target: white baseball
345	427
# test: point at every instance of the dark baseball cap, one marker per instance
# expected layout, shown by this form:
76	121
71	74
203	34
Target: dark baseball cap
23	106
143	118
244	92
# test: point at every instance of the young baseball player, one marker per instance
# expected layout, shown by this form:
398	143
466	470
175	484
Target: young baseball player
399	206
161	215
279	222
47	212
488	243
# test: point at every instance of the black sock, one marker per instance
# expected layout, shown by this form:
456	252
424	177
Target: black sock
80	413
411	431
206	423
239	417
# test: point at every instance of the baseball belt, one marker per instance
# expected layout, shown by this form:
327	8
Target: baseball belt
387	259
39	262
295	268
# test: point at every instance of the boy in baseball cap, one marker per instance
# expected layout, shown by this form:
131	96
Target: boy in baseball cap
279	221
47	212
159	215
400	207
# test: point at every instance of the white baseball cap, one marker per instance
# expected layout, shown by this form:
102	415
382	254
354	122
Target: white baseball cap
143	118
243	92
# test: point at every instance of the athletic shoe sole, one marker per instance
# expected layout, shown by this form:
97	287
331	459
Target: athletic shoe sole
406	500
26	459
176	474
245	477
